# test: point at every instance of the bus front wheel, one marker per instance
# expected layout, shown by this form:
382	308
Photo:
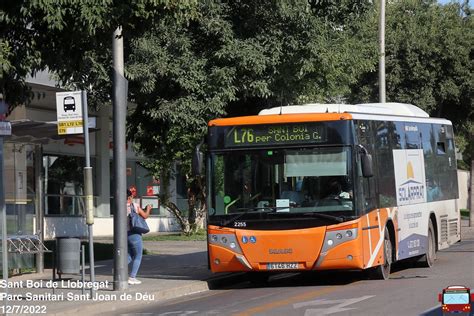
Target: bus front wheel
382	272
427	260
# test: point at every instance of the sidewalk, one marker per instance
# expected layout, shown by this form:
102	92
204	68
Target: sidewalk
467	233
174	269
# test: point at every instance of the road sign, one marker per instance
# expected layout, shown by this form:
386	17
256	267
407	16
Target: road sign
69	112
5	128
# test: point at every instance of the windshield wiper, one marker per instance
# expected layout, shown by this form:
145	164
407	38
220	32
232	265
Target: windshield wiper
338	219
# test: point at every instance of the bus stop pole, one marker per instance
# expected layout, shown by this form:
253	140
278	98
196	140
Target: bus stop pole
89	199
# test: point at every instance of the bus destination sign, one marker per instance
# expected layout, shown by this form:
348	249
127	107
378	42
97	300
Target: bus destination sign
287	134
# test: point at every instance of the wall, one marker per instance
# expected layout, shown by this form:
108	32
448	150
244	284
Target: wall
103	227
463	184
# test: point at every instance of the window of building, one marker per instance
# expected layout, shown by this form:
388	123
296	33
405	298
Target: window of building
19	186
64	184
139	178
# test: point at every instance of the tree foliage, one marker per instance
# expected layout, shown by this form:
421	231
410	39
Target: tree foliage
191	61
271	53
428	62
236	57
72	39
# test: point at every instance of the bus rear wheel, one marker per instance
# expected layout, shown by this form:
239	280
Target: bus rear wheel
427	260
382	272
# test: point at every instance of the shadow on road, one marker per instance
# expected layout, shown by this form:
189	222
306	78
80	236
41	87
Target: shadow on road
299	279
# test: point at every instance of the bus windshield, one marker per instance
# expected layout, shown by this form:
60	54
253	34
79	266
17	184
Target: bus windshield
456	297
282	181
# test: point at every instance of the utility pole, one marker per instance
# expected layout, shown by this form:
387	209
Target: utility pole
471	191
119	101
382	52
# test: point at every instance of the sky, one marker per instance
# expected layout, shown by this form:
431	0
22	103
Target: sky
447	1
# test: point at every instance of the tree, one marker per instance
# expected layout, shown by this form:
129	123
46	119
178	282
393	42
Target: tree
72	39
236	57
428	62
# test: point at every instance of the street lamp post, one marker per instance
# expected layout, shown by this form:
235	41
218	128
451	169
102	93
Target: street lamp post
119	120
382	52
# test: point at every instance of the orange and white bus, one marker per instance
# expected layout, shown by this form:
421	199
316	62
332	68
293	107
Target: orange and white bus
330	186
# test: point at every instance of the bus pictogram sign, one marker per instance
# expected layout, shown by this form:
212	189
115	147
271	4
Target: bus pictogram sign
69	112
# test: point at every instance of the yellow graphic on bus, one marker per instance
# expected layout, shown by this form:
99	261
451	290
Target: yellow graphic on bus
410	173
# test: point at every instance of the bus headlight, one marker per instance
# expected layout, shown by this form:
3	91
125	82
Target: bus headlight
334	238
228	241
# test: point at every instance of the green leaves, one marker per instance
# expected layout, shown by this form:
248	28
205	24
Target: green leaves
191	61
237	57
428	60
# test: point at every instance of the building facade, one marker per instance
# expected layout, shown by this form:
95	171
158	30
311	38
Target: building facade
43	173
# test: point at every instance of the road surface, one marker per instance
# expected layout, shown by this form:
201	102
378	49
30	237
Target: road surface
409	291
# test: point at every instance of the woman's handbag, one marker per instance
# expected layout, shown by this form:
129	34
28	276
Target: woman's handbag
138	224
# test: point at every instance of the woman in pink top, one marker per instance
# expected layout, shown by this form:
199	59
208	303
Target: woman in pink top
135	242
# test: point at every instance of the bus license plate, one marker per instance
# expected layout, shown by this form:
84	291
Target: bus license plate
282	266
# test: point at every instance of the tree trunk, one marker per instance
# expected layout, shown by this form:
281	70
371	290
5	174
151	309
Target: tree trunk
194	220
196	205
183	221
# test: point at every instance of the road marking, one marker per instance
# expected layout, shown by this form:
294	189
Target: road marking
178	313
287	301
340	307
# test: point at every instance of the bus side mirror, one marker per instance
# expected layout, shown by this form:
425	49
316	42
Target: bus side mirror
197	161
440	297
367	171
366	162
472	297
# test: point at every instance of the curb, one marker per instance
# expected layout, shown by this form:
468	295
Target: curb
114	306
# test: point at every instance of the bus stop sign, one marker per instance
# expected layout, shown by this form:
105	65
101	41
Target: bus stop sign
69	112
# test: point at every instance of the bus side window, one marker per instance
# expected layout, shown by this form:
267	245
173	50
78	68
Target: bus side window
384	162
397	135
366	189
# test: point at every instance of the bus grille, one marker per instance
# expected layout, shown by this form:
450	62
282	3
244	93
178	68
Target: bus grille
444	230
453	227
